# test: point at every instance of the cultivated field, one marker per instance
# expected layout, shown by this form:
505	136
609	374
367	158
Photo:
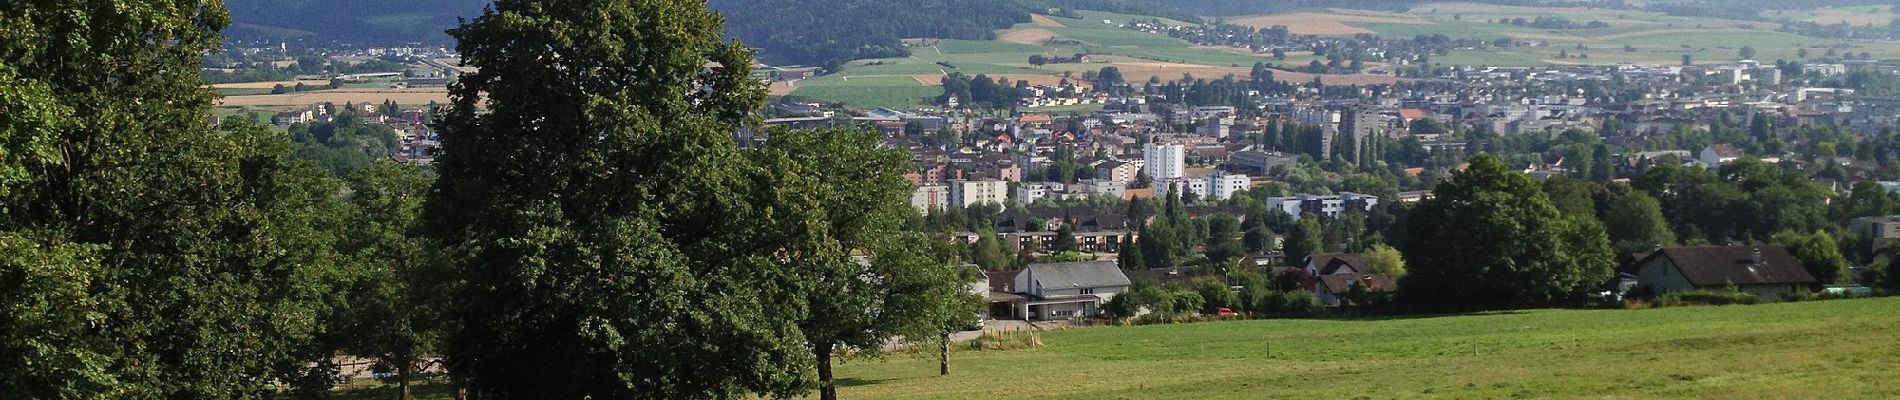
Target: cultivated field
1862	15
900	82
340	96
1836	350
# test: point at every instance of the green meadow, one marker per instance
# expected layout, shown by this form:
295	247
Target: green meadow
1844	349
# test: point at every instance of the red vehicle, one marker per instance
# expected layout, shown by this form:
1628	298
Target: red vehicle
1225	312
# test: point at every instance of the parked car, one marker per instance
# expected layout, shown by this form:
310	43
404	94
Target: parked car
1225	312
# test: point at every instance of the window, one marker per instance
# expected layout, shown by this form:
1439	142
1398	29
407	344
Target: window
1063	313
1088	290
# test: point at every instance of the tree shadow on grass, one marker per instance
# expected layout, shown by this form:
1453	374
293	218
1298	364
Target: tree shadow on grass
854	382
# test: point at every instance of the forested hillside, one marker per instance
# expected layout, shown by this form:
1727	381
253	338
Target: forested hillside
358	22
815	32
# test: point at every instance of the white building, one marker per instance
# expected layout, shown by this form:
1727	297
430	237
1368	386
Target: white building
1223	185
968	193
1196	186
930	198
1324	206
1164	161
1029	192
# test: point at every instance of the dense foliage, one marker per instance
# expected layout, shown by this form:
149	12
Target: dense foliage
827	32
1491	238
612	241
143	254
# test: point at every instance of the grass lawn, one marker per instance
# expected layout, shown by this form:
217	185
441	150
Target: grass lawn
1842	349
1837	349
894	92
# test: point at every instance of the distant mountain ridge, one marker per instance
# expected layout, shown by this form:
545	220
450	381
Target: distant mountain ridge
357	22
790	31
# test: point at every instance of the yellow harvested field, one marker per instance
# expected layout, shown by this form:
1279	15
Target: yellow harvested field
340	96
1044	20
1326	23
1032	36
268	85
1852	17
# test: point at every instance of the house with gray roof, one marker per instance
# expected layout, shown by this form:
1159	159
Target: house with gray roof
1065	290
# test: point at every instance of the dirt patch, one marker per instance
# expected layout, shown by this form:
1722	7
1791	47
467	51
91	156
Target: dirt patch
340	96
1032	36
1044	20
268	85
1331	23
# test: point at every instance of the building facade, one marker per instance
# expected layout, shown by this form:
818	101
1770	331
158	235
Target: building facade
1164	160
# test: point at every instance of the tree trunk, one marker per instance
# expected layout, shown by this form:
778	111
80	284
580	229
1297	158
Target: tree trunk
402	380
827	388
943	354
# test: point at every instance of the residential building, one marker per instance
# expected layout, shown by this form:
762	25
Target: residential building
1764	271
1716	154
1222	185
1164	160
1029	192
1335	278
930	198
1190	185
1324	206
1004	170
1884	230
965	193
1117	171
1064	290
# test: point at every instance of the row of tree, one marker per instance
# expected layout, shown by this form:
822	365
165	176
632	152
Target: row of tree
593	234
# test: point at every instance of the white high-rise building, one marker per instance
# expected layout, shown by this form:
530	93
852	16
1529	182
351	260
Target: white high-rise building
968	193
1222	185
1164	161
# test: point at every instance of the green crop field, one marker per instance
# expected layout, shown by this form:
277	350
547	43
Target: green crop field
1837	349
896	92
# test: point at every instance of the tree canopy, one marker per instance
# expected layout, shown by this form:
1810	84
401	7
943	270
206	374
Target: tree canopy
1490	238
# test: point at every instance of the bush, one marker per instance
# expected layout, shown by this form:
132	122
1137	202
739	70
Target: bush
1004	341
1216	295
1187	302
1296	303
1140	296
1705	298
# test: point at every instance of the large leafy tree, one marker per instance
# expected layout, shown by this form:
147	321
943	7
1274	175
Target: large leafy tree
1635	223
865	280
392	309
1819	254
601	217
1490	238
612	241
143	253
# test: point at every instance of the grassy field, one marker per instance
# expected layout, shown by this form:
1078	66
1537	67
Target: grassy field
1654	38
1837	349
1834	350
